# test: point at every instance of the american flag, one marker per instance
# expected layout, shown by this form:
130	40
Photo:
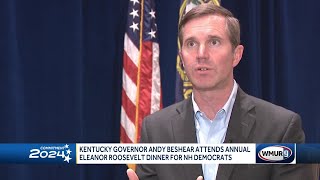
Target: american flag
141	89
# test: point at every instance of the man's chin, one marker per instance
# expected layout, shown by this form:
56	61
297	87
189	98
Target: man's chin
203	87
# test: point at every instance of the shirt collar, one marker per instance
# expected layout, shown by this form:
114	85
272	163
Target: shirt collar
227	106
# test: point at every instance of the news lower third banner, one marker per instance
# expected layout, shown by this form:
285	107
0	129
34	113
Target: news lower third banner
115	153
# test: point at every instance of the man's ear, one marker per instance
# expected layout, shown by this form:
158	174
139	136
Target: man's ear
237	55
181	59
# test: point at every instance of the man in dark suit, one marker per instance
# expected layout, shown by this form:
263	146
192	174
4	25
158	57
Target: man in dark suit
218	111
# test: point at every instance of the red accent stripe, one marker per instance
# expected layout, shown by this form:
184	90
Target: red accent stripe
130	68
123	136
161	106
145	83
128	107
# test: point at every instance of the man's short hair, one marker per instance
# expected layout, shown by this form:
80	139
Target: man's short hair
233	25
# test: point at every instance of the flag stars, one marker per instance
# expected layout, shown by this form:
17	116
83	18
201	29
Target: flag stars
134	26
152	13
135	1
152	33
134	13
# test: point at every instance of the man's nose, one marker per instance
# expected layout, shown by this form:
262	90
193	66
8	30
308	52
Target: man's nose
202	53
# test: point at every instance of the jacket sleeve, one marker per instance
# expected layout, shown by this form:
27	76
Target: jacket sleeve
294	134
146	171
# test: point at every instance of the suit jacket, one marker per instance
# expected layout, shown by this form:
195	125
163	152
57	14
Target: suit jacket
252	121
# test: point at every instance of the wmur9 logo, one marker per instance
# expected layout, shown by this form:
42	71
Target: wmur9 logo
275	153
53	152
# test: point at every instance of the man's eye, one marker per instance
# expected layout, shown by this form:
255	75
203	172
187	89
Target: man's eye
191	44
214	42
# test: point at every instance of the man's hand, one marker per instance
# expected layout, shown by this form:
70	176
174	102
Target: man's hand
133	176
200	178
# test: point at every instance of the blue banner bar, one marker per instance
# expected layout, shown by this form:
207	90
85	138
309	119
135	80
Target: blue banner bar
308	153
66	153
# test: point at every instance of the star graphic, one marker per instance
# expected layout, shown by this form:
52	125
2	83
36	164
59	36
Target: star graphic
134	26
152	33
67	158
135	1
69	151
152	13
66	146
134	13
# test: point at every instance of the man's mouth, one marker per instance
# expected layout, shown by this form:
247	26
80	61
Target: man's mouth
202	69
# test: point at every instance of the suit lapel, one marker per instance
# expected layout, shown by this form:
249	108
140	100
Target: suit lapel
183	124
241	122
184	131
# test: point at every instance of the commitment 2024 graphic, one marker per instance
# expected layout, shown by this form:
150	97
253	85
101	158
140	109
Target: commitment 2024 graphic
38	153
